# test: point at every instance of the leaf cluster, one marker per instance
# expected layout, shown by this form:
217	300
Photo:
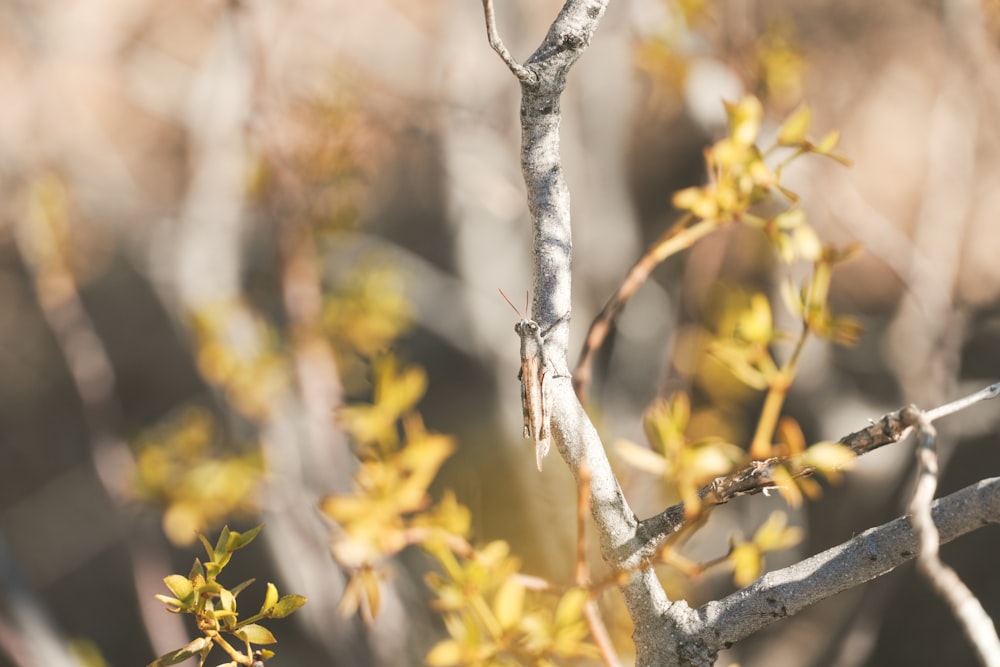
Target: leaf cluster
215	610
494	620
491	615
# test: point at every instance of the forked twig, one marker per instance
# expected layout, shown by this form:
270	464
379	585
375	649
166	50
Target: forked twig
522	73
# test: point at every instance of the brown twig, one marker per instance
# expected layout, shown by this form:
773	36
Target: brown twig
758	476
964	605
522	73
679	237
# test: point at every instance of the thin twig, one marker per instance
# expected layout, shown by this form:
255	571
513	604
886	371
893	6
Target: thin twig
679	237
522	73
758	476
968	611
991	391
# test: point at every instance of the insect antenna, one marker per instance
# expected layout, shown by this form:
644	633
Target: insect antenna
509	303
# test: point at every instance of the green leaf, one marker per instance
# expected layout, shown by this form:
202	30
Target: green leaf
220	546
286	606
180	586
172	602
241	587
180	655
239	540
208	546
227	600
255	634
197	570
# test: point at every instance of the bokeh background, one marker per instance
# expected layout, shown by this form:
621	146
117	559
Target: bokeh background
212	214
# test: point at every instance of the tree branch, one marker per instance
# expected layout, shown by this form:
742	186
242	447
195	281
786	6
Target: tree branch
876	551
758	476
522	73
552	246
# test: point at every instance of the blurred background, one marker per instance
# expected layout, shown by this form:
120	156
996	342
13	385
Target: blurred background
214	214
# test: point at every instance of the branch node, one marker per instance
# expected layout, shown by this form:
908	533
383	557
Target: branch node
523	74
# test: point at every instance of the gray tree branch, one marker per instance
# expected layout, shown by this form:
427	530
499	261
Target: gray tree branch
876	551
671	633
552	247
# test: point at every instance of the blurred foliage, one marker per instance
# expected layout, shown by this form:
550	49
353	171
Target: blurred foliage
490	616
736	346
780	65
215	610
771	64
240	352
181	469
493	619
368	311
747	557
684	465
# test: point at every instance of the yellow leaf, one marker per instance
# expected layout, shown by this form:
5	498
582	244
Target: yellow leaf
736	357
790	435
570	607
256	634
793	130
745	119
708	459
642	458
754	324
809	487
775	535
828	458
398	390
828	143
786	486
445	654
747	563
508	605
345	509
270	598
369	579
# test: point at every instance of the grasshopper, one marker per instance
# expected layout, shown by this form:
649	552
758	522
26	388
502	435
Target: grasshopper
533	374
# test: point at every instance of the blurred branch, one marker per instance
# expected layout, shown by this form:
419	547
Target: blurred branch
968	611
41	238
